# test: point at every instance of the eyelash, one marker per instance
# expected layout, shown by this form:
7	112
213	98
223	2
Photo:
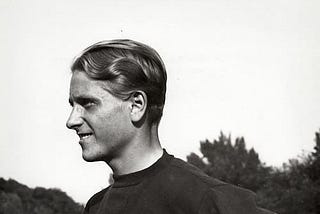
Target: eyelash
85	103
88	104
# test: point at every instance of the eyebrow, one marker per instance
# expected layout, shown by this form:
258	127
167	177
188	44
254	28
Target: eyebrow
82	98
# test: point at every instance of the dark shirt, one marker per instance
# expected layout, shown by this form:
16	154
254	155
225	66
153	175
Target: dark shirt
171	186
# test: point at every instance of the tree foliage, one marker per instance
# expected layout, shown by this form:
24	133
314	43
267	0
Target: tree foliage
292	188
230	162
295	187
16	198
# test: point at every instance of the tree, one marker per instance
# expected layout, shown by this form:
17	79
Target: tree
289	189
17	198
292	188
232	163
313	171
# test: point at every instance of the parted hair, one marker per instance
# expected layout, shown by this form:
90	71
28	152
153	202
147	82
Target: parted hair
127	66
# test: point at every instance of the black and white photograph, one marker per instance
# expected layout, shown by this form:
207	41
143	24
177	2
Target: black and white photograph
160	107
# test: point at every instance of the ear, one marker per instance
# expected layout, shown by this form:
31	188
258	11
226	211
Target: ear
138	105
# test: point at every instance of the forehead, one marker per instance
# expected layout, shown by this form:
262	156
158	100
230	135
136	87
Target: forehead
81	84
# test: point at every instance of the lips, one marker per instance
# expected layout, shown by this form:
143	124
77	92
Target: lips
84	135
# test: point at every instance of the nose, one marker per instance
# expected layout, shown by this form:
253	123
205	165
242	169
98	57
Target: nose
75	119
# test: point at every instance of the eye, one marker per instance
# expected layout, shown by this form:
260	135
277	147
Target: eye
88	104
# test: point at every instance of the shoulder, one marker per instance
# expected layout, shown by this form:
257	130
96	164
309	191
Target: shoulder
95	200
190	183
183	173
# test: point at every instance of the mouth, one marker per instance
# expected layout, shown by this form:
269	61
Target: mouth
84	135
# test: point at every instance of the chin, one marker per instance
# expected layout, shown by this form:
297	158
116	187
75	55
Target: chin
89	158
94	157
96	154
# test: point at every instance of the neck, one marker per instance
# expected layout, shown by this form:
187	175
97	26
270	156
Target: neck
141	152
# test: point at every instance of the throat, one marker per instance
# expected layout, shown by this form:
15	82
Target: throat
135	162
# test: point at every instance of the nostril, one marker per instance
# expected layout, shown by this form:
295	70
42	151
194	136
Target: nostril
74	122
70	124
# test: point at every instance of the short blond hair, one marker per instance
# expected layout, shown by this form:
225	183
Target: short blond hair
127	66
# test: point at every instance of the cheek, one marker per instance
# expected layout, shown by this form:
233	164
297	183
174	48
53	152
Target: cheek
112	124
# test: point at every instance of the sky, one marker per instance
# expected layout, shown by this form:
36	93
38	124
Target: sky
247	68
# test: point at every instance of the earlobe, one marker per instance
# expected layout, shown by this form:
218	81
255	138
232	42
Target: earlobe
138	105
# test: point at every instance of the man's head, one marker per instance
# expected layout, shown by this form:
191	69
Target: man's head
127	66
116	87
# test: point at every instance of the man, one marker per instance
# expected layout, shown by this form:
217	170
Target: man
117	94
